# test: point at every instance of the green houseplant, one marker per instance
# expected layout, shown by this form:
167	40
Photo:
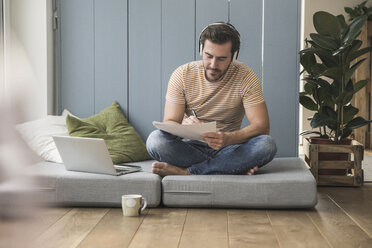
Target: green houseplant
359	10
329	63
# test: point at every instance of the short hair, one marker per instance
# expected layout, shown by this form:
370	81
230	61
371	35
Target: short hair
220	33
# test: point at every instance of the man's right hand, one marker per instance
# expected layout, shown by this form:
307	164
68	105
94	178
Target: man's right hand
191	120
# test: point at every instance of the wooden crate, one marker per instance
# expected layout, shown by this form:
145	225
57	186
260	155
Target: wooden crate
354	167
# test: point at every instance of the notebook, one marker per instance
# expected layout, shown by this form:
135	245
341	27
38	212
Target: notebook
89	155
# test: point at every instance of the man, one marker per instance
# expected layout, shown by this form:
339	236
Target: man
220	89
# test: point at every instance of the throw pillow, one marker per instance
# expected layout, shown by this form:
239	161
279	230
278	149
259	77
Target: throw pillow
122	140
38	135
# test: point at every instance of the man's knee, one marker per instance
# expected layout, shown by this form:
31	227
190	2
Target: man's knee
265	148
155	142
266	143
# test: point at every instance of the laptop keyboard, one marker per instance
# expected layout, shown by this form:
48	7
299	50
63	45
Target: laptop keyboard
127	168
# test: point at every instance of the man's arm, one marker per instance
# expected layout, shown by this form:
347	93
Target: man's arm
259	124
173	113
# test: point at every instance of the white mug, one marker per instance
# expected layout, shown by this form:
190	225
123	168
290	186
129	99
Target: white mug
133	205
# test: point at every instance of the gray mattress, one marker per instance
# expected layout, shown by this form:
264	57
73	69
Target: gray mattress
72	188
283	183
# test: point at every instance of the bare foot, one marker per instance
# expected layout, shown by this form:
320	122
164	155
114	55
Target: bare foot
164	169
252	171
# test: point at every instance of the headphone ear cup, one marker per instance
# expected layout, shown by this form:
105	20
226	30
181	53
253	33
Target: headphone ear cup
235	56
201	49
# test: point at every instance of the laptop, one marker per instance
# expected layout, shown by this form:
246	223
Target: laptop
89	155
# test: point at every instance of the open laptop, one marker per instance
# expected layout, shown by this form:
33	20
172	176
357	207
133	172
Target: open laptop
89	155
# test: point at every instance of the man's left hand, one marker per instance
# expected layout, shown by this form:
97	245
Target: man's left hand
216	140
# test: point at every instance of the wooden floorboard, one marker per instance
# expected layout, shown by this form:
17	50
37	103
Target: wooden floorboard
71	229
46	217
162	227
250	229
21	232
356	203
336	226
294	228
9	236
342	218
205	228
114	230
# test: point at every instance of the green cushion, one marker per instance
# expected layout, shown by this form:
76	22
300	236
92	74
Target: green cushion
122	140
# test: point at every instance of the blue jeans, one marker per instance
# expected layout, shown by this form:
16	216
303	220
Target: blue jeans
200	159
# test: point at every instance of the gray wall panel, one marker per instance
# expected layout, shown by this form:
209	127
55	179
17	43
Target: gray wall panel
246	16
178	36
77	57
110	53
280	72
145	64
96	61
207	12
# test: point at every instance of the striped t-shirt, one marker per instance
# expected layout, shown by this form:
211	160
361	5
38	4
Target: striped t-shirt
222	101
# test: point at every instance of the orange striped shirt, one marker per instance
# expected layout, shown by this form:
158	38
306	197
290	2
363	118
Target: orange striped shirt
222	101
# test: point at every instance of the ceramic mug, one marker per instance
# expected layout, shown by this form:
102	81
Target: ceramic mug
133	205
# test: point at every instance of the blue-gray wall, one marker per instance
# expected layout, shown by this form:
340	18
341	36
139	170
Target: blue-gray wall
126	50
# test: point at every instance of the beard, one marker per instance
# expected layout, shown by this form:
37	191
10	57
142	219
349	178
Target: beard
214	74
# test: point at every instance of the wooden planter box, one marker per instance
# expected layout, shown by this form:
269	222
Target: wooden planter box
354	177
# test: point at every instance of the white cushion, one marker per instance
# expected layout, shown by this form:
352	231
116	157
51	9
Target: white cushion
38	135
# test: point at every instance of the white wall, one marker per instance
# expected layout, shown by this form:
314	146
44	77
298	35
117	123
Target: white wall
309	7
28	59
1	54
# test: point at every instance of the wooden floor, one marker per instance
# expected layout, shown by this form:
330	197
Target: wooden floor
342	218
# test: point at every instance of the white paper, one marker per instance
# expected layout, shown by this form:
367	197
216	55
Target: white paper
188	131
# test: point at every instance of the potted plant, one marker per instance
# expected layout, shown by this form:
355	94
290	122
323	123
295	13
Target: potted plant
328	65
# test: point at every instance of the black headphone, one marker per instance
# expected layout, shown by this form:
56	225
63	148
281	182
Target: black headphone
236	53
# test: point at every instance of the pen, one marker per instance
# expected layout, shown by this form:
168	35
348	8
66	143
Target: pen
194	113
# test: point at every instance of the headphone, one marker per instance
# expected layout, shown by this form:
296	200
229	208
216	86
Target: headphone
236	53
